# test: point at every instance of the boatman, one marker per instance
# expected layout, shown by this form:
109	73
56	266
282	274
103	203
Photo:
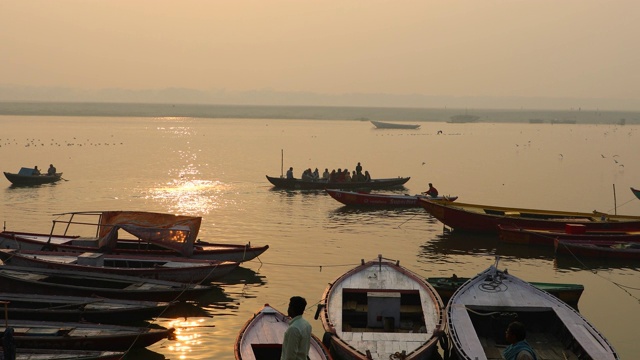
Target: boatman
297	337
290	173
52	170
433	192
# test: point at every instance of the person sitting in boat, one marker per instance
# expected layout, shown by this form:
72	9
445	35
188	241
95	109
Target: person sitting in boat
433	192
52	170
307	175
326	174
316	175
519	348
36	171
367	176
347	175
290	173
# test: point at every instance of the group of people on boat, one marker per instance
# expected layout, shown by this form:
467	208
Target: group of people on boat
50	172
339	175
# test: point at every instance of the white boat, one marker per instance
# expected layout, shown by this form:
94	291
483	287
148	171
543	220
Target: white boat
381	310
482	308
386	125
261	337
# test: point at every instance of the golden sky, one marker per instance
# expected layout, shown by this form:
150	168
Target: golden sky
552	48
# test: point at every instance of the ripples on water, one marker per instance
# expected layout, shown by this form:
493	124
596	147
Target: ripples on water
215	168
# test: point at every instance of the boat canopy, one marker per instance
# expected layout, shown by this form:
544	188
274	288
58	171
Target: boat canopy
176	232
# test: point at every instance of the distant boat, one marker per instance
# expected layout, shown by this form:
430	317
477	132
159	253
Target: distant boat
556	121
381	310
636	192
480	311
299	184
465	118
353	198
386	125
26	177
261	338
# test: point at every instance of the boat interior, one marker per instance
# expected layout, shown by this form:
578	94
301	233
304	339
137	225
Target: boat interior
546	334
388	311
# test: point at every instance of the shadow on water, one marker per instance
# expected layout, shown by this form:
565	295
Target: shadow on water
568	262
143	353
242	275
465	243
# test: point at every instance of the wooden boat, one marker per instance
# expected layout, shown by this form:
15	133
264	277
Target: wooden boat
57	354
387	125
381	309
486	218
25	306
636	192
261	338
569	293
574	232
481	309
161	268
130	232
74	283
353	198
26	177
628	250
299	184
82	336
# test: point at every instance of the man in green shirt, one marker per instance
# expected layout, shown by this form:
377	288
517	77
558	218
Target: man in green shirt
297	338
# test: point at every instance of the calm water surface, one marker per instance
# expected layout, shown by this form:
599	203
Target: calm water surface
215	168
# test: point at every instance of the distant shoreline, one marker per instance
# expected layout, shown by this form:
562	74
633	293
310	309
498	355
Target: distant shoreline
312	112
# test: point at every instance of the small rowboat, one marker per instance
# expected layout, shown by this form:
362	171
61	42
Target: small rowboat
25	180
481	309
57	354
85	336
77	283
261	338
161	268
353	198
381	310
598	249
25	306
299	184
387	125
573	232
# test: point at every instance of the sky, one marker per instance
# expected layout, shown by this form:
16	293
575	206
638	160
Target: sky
441	48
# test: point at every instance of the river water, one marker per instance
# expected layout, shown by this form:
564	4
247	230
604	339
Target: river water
215	168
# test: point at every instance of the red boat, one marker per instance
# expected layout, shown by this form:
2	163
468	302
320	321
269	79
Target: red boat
599	249
353	198
578	232
486	218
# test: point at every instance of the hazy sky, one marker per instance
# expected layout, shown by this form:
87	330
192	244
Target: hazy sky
528	48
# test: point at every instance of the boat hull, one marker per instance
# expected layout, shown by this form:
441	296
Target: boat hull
85	336
299	184
516	235
352	198
387	307
623	250
166	268
262	336
59	282
482	308
386	125
485	219
26	180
